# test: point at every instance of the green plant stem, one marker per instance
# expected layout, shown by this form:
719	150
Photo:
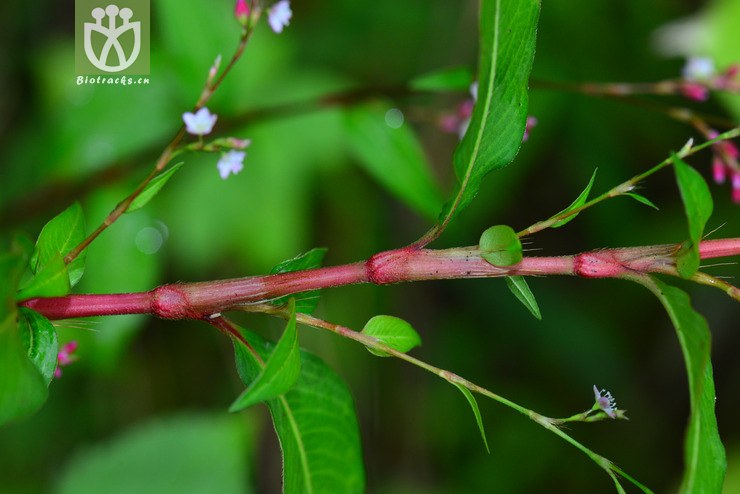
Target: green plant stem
622	89
166	155
200	300
628	185
709	280
37	202
548	423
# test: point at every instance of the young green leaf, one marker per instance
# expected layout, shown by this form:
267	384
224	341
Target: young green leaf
51	281
644	200
305	302
580	201
698	205
153	188
476	411
507	40
22	388
394	332
40	340
315	422
60	235
308	260
704	455
519	287
393	156
500	246
279	373
447	79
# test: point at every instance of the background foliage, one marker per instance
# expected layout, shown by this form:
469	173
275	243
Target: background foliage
307	184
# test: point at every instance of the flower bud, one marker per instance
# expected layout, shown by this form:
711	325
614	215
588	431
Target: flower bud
241	12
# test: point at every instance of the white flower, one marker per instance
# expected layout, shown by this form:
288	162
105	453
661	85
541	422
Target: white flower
231	162
605	402
279	15
698	69
199	123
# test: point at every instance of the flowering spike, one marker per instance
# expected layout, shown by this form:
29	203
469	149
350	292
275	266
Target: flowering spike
241	12
231	162
279	15
199	123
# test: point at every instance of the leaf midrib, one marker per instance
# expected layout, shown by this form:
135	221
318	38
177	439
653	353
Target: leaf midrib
481	129
300	446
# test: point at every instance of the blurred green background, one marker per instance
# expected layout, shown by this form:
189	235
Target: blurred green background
145	407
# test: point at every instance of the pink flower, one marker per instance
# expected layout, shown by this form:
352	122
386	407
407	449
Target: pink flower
531	123
241	11
719	170
695	91
279	15
199	123
231	162
605	402
725	158
731	149
448	123
727	78
65	357
736	187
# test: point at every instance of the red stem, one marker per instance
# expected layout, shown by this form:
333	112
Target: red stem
201	300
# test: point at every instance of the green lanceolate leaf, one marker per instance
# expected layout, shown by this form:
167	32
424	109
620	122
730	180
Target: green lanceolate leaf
50	281
476	411
279	373
447	79
305	302
40	340
22	388
698	205
500	246
315	422
704	455
393	156
508	30
580	201
58	237
642	199
519	287
153	188
394	332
